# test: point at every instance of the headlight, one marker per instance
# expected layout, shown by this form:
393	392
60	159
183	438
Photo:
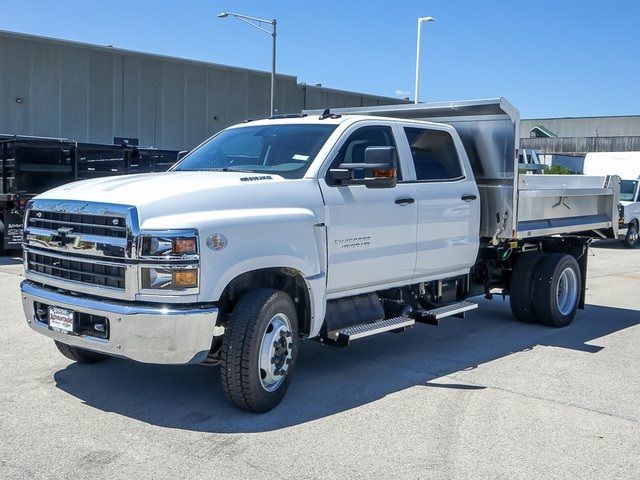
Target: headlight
172	245
169	262
182	277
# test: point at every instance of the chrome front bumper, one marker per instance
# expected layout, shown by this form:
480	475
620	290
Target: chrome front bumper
165	334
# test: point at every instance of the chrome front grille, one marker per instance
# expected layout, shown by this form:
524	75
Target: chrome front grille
77	270
83	247
100	225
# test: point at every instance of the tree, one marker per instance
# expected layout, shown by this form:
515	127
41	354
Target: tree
557	170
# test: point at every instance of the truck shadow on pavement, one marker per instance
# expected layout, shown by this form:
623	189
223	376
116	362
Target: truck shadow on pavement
328	380
610	244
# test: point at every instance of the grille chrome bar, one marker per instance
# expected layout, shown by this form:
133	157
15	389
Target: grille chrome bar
58	223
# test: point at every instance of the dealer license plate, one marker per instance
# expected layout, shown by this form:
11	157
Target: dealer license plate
61	319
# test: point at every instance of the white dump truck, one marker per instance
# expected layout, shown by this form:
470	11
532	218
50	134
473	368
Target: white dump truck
626	165
323	226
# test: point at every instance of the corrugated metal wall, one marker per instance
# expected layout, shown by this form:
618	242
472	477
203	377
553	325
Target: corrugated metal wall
582	145
586	127
92	94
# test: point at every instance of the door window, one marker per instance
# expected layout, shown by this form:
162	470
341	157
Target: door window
434	155
352	151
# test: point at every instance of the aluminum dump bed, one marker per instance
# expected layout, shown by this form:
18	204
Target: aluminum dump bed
514	205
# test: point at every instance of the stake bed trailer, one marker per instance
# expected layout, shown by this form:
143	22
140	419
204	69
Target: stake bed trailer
330	226
32	165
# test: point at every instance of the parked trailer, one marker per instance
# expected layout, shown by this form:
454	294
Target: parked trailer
32	165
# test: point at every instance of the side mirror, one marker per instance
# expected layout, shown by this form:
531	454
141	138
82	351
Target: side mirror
379	170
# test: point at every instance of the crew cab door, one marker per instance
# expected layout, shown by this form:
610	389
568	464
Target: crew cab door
371	233
447	198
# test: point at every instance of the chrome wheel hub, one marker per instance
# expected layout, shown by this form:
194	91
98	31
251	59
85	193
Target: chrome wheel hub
275	352
567	291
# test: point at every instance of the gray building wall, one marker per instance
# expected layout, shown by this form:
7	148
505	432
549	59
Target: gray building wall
90	93
618	126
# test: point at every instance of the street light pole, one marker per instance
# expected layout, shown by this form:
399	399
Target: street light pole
417	84
257	23
273	68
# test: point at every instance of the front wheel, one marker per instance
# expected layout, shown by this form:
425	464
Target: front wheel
557	287
259	350
632	239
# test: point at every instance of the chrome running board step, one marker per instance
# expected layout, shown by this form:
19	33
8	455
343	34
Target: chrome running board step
343	336
433	316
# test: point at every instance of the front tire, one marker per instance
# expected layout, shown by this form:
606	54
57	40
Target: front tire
556	289
79	355
259	350
632	238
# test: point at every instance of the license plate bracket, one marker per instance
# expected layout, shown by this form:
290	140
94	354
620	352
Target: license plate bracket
61	319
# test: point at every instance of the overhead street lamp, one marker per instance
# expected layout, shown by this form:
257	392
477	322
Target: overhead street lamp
421	20
257	23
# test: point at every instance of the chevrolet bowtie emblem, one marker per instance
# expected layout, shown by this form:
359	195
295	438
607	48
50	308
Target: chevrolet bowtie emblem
61	237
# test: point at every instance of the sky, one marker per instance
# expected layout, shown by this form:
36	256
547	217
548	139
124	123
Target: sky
548	58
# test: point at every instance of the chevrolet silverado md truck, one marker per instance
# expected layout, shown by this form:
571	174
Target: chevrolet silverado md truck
328	226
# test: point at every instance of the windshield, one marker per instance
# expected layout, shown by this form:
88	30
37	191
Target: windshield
627	189
285	150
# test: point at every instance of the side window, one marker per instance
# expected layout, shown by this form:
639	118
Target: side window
352	151
434	154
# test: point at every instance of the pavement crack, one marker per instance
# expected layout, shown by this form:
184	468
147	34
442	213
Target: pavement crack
545	399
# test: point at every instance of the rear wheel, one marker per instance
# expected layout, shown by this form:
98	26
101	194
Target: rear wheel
259	350
521	287
556	289
79	355
632	239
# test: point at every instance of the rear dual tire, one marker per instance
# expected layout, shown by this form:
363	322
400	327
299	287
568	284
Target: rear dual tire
546	288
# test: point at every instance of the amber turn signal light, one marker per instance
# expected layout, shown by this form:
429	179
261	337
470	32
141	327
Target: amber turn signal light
185	246
388	173
185	278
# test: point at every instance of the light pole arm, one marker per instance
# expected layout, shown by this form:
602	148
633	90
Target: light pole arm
253	24
257	23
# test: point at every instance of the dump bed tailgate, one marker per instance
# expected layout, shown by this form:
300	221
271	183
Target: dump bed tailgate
551	204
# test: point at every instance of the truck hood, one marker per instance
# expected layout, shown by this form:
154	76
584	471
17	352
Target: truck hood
175	193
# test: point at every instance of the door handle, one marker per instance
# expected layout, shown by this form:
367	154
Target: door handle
404	201
468	198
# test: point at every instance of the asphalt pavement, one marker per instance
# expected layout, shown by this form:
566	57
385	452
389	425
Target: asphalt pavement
480	397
